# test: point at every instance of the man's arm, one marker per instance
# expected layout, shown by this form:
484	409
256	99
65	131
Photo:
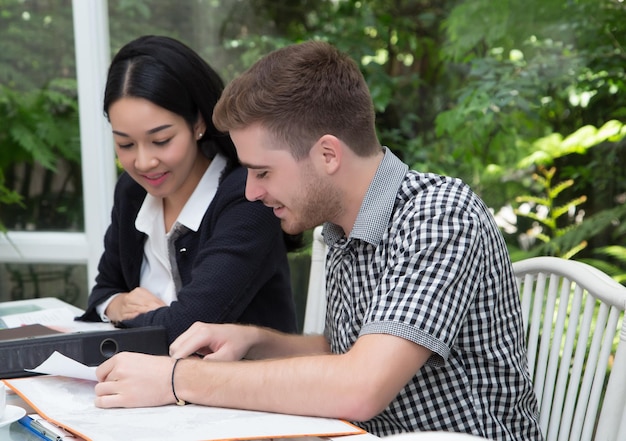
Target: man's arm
355	386
228	342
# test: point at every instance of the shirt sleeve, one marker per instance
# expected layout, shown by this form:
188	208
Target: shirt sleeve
430	271
102	307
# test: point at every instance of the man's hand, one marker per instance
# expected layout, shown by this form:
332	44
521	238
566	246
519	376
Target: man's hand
130	379
223	342
129	305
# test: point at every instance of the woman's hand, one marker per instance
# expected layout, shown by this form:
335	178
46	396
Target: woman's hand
129	305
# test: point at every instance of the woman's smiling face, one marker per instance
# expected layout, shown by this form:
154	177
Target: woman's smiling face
157	148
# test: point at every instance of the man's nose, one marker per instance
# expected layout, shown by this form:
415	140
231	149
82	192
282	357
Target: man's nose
254	192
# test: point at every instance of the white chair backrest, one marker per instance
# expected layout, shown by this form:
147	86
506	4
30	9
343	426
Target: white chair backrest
576	337
315	310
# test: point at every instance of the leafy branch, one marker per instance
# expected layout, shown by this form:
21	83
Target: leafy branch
548	214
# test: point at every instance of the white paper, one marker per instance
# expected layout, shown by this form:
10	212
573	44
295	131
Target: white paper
43	317
59	364
68	402
48	311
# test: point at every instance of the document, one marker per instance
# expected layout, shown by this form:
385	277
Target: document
59	364
48	311
68	403
52	316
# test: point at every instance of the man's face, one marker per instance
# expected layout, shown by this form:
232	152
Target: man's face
296	192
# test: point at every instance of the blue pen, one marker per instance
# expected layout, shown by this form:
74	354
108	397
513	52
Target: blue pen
35	427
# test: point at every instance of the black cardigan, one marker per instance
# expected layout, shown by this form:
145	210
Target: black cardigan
233	269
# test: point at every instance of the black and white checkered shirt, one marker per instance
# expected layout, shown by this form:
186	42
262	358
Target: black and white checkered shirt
425	261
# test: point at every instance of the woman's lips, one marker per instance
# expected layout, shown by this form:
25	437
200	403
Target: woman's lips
155	179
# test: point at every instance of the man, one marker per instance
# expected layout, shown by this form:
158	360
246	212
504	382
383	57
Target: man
423	328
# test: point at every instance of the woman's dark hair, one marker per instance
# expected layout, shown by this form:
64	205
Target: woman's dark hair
171	75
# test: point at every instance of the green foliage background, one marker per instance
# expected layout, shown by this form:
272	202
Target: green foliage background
488	91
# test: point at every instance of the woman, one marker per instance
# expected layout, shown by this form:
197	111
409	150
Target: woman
184	244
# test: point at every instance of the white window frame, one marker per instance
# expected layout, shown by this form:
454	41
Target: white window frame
91	36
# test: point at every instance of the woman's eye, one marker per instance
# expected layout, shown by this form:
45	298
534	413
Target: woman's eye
125	146
261	175
162	143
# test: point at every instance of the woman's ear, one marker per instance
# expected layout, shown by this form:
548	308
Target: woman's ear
199	128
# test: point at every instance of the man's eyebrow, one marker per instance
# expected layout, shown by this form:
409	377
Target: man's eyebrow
254	167
149	132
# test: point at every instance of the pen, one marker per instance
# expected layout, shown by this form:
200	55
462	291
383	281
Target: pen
38	429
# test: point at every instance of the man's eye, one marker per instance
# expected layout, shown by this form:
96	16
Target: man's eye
261	175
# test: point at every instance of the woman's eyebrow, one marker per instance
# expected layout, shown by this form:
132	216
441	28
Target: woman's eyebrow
149	132
156	129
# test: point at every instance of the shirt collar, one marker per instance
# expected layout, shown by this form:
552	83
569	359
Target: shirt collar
377	206
195	207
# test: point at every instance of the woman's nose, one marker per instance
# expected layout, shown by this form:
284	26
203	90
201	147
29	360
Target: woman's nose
145	160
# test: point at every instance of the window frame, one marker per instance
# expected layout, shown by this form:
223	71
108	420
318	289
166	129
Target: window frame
92	51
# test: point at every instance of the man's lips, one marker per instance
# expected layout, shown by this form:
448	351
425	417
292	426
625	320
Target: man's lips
278	210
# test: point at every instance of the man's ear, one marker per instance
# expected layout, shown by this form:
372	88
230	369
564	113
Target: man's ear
328	151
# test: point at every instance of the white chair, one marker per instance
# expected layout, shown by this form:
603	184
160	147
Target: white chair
575	333
315	310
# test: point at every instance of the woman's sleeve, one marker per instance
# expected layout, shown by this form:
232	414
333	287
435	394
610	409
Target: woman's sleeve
117	266
237	252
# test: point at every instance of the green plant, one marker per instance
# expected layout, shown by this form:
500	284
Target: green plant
546	150
559	222
7	197
615	268
40	128
547	215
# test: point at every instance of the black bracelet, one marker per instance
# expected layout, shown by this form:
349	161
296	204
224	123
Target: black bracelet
178	400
